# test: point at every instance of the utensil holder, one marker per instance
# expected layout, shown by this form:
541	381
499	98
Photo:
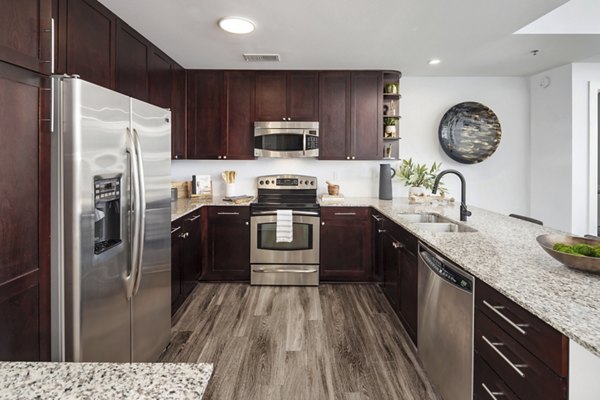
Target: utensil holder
229	189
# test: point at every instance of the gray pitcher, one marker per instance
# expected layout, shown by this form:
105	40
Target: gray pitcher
386	173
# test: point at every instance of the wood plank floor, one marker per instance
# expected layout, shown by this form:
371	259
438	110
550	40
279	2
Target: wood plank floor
288	343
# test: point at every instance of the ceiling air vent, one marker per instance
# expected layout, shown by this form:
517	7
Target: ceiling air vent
261	57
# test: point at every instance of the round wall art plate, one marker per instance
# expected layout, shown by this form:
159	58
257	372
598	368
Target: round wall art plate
469	132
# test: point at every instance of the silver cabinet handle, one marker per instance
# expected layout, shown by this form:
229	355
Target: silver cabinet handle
224	157
377	218
397	245
284	270
518	327
514	366
228	213
219	157
175	230
353	157
193	219
347	158
344	213
381	231
492	394
283	118
323	223
247	223
184	235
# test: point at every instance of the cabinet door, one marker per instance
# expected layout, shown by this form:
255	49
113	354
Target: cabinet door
271	96
345	244
86	41
132	55
377	245
303	96
391	269
24	216
408	291
178	114
239	86
177	262
367	108
160	83
25	37
205	97
227	244
192	266
334	115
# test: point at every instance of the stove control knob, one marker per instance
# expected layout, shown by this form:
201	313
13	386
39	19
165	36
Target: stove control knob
267	181
312	183
262	182
300	182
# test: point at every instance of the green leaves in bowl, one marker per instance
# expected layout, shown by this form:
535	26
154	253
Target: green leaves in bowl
578	249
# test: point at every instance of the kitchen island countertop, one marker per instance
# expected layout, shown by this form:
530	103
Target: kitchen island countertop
98	381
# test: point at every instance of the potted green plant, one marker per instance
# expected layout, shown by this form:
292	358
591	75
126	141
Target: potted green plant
419	176
390	126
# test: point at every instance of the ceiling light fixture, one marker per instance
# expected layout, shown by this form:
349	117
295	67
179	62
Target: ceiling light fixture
434	61
236	25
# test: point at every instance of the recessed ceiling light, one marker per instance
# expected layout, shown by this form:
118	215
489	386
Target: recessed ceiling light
434	61
236	25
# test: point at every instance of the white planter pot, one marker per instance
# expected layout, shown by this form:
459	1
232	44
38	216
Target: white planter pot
390	129
416	191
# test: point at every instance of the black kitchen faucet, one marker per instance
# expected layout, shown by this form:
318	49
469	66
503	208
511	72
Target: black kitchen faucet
464	213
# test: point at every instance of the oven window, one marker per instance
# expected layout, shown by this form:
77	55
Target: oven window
280	142
266	237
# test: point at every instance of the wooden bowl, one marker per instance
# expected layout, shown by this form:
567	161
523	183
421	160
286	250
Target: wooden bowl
333	190
583	263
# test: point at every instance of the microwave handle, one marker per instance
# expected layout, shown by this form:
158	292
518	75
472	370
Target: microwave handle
304	143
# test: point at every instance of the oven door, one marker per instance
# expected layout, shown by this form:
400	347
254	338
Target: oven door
303	249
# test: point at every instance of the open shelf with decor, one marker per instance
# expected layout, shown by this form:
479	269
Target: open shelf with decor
390	115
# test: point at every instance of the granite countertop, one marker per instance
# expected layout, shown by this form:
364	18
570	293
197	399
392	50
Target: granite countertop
52	380
182	207
504	254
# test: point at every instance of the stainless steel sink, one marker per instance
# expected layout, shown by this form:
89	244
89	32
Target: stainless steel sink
444	227
423	218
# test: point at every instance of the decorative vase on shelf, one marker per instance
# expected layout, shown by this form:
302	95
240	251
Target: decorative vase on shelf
390	130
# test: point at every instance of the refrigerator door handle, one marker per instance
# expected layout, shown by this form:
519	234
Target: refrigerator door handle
141	211
134	209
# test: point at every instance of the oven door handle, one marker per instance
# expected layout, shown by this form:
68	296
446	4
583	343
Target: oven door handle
309	213
284	270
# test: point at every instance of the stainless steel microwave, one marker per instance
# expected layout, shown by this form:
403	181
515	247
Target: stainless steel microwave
286	139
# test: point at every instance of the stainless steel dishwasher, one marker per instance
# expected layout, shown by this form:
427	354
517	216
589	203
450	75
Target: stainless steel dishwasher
445	325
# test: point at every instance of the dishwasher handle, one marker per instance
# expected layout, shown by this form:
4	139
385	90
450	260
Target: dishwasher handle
446	270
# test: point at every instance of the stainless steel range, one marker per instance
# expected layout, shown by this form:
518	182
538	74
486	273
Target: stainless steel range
294	261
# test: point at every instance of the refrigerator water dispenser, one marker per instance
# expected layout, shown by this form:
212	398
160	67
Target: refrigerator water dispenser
107	198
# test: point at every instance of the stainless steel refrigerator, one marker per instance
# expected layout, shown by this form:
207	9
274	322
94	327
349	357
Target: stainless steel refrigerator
111	215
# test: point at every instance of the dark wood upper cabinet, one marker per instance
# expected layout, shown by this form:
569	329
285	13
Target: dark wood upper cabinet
204	112
226	252
132	55
239	122
366	111
345	243
24	215
303	95
160	78
334	115
271	96
25	33
178	114
86	41
282	95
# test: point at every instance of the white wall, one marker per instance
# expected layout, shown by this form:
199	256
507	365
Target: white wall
584	369
560	147
499	183
551	147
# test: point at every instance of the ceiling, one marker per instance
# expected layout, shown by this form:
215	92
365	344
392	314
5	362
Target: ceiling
471	37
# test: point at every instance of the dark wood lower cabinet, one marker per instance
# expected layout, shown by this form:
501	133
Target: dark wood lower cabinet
24	215
186	261
377	232
226	252
345	250
400	272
